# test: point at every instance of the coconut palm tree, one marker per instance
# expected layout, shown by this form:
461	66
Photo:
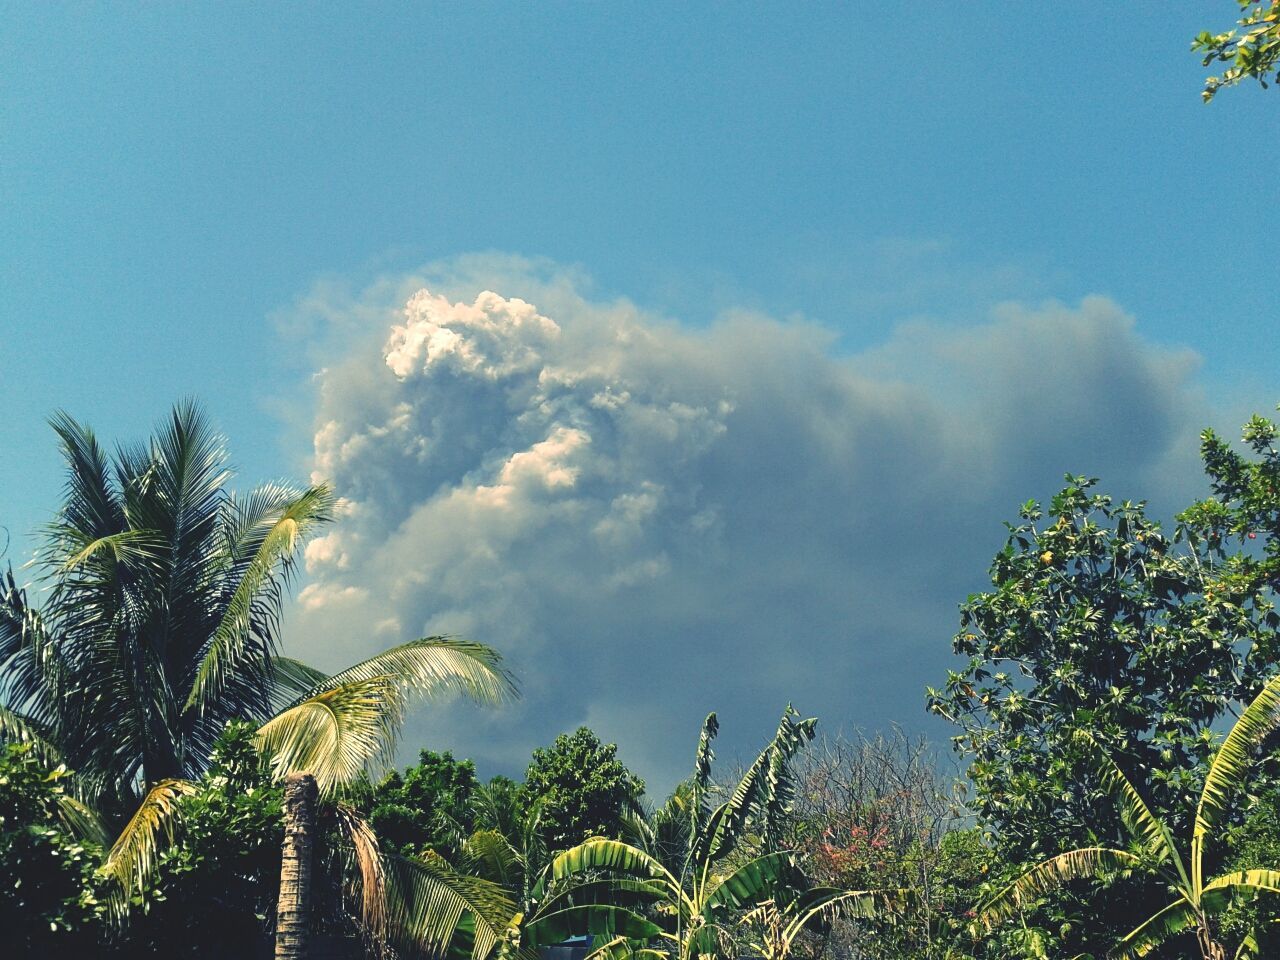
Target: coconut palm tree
161	623
730	863
1198	896
507	845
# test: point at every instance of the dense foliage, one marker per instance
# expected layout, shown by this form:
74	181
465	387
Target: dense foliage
429	808
1099	622
158	626
695	899
582	789
225	857
52	899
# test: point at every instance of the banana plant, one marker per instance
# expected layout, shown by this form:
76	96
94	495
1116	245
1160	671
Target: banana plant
774	927
1198	897
730	864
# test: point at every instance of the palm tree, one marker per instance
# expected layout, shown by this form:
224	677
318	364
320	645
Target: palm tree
1197	900
507	845
161	624
730	863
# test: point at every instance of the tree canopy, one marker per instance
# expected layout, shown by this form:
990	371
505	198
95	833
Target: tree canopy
581	788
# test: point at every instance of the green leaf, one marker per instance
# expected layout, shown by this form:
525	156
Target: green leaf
1050	875
426	902
755	880
1172	920
133	857
1229	766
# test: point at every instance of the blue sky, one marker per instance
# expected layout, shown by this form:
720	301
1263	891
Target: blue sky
201	199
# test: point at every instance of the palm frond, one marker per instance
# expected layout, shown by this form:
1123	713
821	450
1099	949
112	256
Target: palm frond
125	545
1172	920
363	844
291	679
427	901
636	830
1228	768
764	788
336	734
1050	875
280	540
29	662
490	855
91	504
180	494
133	857
81	819
16	728
433	666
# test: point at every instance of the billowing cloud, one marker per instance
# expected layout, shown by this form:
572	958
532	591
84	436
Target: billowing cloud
653	521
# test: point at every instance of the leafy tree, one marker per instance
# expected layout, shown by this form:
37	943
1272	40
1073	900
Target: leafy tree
1199	896
1244	510
1254	844
52	899
1099	621
431	806
161	624
1252	49
214	887
581	788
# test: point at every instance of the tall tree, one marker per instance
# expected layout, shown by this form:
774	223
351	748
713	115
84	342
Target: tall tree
581	788
1098	620
428	806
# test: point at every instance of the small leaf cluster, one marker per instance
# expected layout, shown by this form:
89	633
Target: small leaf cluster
1252	49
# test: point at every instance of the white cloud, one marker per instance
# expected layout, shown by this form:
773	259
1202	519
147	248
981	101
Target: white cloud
653	521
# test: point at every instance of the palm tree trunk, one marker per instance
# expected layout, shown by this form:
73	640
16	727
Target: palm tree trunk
294	907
